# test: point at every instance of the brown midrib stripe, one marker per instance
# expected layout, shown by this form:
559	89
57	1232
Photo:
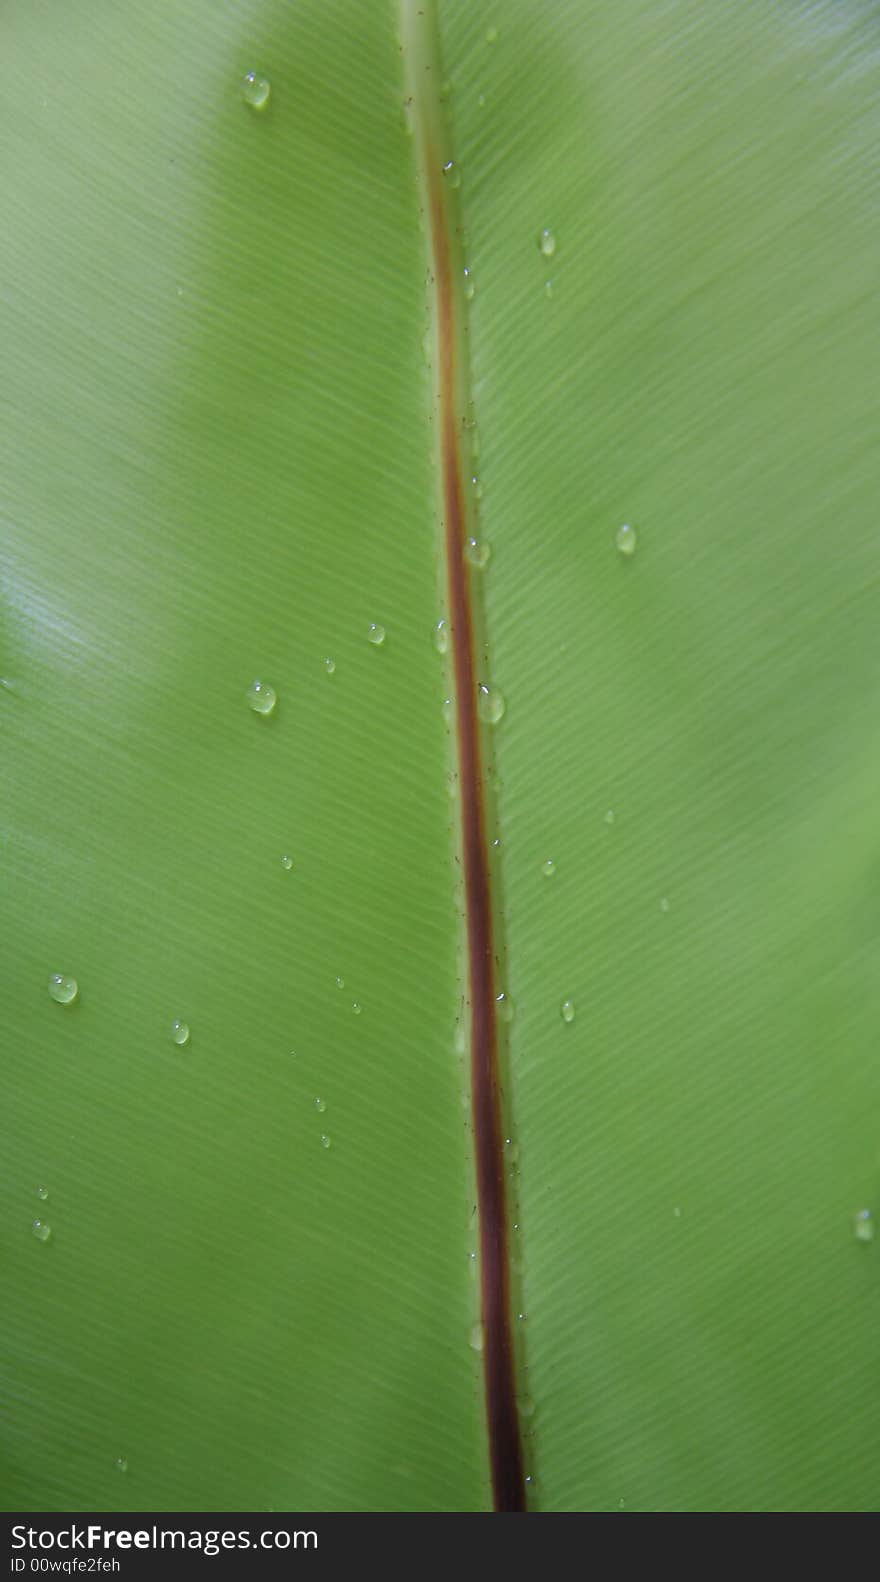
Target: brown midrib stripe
505	1451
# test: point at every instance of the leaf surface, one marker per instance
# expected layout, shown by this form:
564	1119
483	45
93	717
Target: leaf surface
217	464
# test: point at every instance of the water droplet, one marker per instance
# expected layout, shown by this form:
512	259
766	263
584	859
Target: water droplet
261	698
287	862
452	173
863	1225
255	90
325	1140
330	666
526	1406
476	1337
441	637
625	539
469	287
548	288
511	1150
376	634
677	1213
490	705
459	1042
180	1032
504	1006
609	816
320	1105
340	983
41	1230
567	1010
356	1007
121	1464
547	243
491	35
477	554
448	710
470	427
621	1505
477	488
62	988
548	868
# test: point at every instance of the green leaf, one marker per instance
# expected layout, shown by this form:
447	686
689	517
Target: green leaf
217	465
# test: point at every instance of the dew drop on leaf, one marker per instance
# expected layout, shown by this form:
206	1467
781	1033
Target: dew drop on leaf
863	1225
477	554
255	90
625	539
504	1007
62	988
472	429
262	698
490	705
